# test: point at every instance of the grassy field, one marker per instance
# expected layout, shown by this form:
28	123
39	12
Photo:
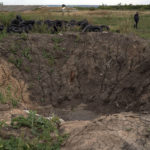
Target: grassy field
116	19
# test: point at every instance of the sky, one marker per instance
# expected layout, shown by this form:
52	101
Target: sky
72	2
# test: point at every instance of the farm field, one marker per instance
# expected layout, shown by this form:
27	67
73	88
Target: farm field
116	20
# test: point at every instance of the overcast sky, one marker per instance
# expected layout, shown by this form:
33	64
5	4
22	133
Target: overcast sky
72	2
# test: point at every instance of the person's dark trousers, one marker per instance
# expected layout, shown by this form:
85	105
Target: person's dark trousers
136	24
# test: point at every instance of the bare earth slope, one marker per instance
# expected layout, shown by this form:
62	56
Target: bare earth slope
124	131
105	72
82	76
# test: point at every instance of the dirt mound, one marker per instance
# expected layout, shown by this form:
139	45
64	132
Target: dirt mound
125	131
81	73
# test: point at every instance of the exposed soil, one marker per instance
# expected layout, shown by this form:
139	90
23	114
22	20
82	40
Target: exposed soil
124	131
82	76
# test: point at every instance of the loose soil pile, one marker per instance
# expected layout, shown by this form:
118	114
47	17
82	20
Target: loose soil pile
79	76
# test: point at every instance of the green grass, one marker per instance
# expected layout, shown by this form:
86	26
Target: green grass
57	40
6	96
117	20
57	43
16	61
26	53
24	36
43	134
49	57
6	18
116	7
3	35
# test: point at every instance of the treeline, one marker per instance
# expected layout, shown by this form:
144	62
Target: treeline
117	7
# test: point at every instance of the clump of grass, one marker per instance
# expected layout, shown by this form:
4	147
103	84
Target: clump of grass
43	134
26	53
2	98
6	18
57	43
16	61
3	34
6	96
57	40
41	29
49	57
13	49
24	36
126	26
27	69
78	39
2	124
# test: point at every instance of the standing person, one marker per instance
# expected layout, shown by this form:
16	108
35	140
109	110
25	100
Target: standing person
63	9
136	19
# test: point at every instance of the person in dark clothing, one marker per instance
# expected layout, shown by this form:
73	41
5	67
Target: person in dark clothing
136	19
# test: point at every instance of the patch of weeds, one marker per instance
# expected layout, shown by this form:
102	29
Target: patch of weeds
7	97
27	69
41	29
26	53
51	70
13	49
128	129
78	39
16	61
7	17
57	40
10	98
58	47
39	77
14	102
24	36
67	56
3	34
148	130
63	49
2	99
51	60
42	100
31	85
49	57
43	134
2	124
45	54
126	25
